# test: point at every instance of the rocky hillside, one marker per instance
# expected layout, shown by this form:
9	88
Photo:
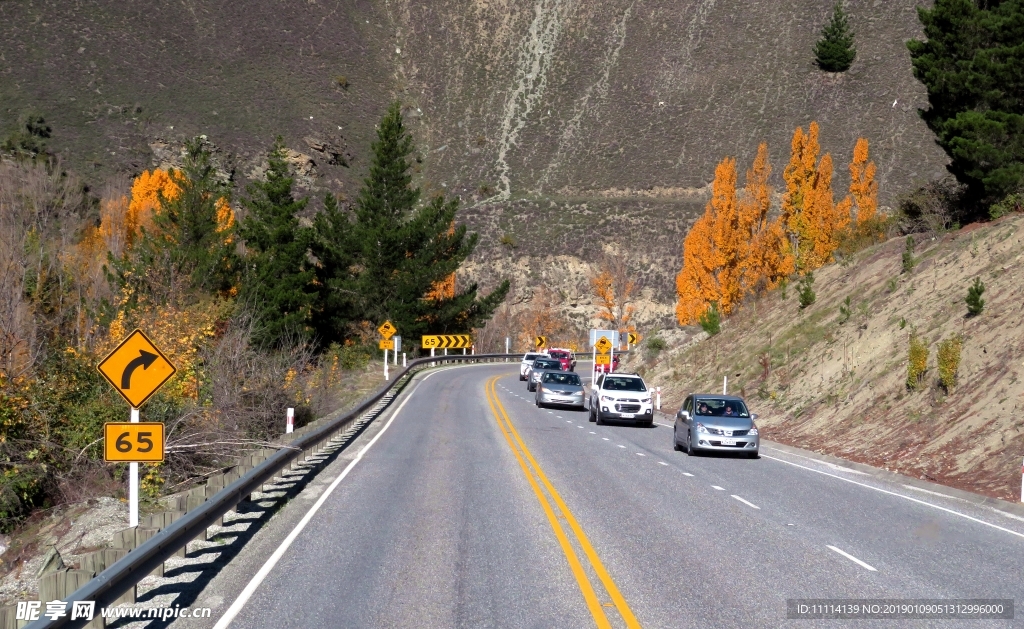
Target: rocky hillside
837	384
564	124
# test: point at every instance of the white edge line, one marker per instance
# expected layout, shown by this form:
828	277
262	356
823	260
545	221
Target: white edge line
255	582
749	504
851	558
893	493
665	425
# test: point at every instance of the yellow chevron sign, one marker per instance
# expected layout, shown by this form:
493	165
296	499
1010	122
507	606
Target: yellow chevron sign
447	341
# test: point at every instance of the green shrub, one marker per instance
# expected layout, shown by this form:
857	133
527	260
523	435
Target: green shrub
917	361
711	320
656	344
908	255
1012	203
352	357
508	241
845	311
949	361
892	285
975	304
806	291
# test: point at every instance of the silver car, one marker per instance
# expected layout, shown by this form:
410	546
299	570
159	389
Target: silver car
563	388
538	368
527	362
716	423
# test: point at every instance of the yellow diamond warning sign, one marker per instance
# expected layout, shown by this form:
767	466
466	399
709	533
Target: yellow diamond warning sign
387	329
602	346
136	368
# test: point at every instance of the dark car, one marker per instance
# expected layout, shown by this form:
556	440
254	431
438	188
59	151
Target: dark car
707	422
538	367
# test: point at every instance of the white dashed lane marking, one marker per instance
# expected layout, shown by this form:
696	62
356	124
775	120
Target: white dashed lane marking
718	488
622	446
606	438
641	454
853	559
687	474
749	504
662	463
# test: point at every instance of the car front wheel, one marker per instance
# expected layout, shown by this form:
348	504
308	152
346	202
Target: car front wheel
689	444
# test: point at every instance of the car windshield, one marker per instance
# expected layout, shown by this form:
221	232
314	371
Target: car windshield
547	364
531	357
559	355
721	408
562	378
617	383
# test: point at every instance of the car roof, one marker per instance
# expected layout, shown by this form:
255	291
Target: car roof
719	396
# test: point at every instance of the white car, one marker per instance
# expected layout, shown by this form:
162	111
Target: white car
527	362
622	397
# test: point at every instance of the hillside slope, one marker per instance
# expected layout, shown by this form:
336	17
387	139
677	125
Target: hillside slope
840	387
544	116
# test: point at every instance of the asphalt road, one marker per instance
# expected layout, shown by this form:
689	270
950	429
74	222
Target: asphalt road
472	509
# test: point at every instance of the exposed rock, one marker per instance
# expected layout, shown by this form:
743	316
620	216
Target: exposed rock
334	150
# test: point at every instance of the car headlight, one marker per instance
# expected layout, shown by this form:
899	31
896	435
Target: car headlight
605	398
645	400
753	431
578	393
702	429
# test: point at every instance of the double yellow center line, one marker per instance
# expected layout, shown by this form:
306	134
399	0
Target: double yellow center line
554	508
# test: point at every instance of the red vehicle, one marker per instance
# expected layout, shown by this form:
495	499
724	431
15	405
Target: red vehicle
604	368
565	357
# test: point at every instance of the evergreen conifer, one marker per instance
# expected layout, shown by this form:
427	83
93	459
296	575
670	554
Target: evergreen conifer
835	51
278	283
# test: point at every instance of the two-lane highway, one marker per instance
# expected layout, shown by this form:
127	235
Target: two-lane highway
474	508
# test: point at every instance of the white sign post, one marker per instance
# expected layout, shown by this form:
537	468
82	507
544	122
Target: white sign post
133	483
289	425
385	364
725	384
398	347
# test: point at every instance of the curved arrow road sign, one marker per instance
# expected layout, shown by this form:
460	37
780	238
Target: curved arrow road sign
136	368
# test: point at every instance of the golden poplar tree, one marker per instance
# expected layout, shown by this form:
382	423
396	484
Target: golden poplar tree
697	284
147	189
864	191
729	237
825	220
799	176
768	258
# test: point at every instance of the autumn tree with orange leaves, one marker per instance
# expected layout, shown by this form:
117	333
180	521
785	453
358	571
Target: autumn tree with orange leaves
615	288
736	248
769	258
187	233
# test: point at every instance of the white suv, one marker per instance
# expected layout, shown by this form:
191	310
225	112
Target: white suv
527	362
621	396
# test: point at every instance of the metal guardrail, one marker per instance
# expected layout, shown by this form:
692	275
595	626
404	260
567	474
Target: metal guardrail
110	584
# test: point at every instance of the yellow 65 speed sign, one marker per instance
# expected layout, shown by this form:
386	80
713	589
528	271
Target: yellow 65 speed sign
138	442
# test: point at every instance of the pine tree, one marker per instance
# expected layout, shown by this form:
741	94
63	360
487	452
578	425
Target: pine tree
278	284
403	253
189	237
970	63
835	51
332	247
975	304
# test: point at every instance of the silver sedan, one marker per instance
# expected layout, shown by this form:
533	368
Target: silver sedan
720	423
559	387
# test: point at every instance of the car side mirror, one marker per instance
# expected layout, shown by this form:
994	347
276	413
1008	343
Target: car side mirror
684	414
753	416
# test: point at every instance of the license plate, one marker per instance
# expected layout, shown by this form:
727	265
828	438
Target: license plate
628	415
728	442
